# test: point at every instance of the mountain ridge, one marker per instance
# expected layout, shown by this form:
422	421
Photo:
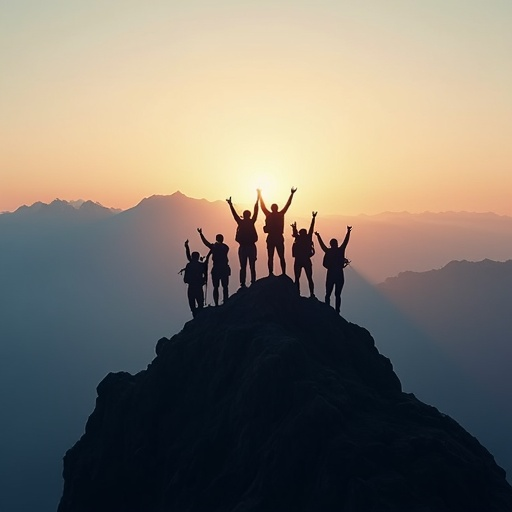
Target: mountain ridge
76	204
57	214
455	265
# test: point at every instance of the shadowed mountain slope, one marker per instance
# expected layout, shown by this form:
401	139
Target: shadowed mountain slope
463	311
272	402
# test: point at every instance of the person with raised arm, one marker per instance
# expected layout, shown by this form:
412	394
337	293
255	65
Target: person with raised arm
220	267
334	261
274	227
246	236
303	250
195	276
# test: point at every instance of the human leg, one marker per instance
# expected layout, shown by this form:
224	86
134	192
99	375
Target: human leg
191	299
270	252
308	269
340	281
215	282
225	288
280	253
243	257
195	298
200	298
297	269
252	252
329	285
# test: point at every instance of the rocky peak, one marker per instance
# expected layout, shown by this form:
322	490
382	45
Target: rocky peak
273	402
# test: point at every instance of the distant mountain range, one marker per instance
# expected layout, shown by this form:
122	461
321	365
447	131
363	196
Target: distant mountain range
86	291
61	207
382	245
465	306
464	311
59	212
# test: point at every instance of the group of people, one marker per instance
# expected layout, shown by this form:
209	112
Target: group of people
196	270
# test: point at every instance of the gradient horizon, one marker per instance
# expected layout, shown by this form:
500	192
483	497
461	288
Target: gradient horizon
365	108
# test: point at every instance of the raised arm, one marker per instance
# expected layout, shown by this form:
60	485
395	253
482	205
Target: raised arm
256	209
294	230
321	242
205	242
312	226
347	237
262	203
289	202
187	251
233	211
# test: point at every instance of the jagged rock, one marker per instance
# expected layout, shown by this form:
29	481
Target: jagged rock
272	402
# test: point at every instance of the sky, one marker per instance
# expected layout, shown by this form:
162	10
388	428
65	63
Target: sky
364	106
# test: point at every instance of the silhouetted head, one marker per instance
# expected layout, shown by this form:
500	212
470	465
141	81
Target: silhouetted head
303	232
274	207
219	238
194	256
247	214
333	243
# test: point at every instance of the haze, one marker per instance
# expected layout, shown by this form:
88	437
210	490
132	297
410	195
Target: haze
88	291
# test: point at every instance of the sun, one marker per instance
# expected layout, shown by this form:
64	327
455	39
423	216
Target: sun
266	182
269	180
270	175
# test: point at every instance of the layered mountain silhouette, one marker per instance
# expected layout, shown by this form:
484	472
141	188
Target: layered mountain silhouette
59	212
461	313
82	295
273	402
464	300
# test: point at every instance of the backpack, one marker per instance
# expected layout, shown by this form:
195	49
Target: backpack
219	254
195	273
331	260
303	247
246	232
274	223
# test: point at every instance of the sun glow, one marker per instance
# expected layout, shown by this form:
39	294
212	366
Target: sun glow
217	104
271	179
266	182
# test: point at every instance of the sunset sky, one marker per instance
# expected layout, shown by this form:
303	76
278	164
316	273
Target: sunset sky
365	106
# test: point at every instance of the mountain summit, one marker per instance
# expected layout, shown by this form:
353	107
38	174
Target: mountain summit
272	402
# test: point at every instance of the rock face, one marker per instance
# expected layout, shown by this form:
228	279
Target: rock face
272	402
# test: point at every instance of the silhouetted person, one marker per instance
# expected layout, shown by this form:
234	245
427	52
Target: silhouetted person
274	227
334	261
220	268
195	277
247	237
302	250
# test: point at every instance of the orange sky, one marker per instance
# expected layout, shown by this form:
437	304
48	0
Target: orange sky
365	108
